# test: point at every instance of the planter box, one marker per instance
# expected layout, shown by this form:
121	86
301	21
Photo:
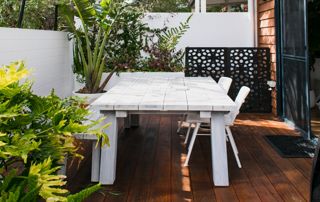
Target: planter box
116	78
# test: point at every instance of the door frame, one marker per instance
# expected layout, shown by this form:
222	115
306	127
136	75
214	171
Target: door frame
279	59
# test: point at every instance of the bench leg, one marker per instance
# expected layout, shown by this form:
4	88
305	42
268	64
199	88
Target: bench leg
108	159
95	164
63	169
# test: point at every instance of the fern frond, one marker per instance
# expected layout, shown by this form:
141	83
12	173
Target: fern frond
83	194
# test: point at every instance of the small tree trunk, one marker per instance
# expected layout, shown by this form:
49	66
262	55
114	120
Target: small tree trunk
106	81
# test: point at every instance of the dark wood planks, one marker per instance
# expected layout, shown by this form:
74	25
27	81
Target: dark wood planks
180	175
150	166
161	172
142	180
133	139
221	193
200	176
284	187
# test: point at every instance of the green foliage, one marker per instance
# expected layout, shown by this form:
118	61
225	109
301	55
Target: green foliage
36	134
131	45
83	194
162	54
169	38
90	40
38	14
126	39
164	6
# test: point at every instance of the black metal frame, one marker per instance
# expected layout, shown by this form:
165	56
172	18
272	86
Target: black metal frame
279	75
21	15
280	70
247	66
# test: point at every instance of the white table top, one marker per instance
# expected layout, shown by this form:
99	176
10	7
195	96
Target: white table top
165	94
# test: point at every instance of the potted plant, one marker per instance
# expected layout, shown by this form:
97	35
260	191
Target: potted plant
90	37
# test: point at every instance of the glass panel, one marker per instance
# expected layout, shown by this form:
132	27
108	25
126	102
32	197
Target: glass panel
227	5
295	92
294	27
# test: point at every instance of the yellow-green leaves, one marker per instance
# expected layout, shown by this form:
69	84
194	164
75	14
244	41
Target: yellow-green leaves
36	134
17	146
50	183
12	73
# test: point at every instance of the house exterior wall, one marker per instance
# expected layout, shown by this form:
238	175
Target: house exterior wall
267	38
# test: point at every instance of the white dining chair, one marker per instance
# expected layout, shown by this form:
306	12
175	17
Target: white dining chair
225	84
194	118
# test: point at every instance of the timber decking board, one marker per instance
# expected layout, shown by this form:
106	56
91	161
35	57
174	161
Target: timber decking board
150	160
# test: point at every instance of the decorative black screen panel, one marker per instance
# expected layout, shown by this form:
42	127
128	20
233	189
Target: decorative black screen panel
246	66
206	62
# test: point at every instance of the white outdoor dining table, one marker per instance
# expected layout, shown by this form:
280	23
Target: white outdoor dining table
163	96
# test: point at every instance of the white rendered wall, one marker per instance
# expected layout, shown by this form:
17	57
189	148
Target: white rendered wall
47	53
209	29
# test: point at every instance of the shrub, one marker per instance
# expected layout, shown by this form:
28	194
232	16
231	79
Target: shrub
36	134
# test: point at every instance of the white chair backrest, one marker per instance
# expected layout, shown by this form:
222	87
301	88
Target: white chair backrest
240	99
225	83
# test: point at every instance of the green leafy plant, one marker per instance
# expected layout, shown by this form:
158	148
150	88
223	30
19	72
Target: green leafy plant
162	53
167	6
90	40
126	39
38	14
36	134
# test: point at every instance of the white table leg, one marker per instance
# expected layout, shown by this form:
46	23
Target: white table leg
219	150
95	163
108	160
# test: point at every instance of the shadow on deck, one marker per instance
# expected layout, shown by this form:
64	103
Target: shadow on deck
150	159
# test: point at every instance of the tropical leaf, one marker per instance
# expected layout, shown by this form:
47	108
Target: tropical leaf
12	73
83	194
85	11
49	182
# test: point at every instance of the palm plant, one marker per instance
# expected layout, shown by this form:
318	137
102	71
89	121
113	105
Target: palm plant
90	40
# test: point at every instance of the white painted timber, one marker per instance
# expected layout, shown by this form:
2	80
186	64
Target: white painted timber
160	94
108	156
95	163
166	95
219	150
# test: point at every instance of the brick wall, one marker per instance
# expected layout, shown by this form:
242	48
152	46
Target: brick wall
267	37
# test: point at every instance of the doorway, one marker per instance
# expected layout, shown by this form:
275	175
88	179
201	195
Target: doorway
293	63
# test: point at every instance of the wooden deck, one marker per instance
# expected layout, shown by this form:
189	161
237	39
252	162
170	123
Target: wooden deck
150	167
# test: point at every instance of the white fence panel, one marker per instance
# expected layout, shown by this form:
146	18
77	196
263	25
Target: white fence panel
47	53
209	29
